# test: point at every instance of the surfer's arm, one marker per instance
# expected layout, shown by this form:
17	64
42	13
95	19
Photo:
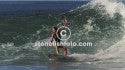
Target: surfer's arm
51	39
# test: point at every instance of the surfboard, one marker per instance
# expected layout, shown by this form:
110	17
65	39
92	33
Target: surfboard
55	57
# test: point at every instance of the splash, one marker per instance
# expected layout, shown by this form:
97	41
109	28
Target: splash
117	50
111	6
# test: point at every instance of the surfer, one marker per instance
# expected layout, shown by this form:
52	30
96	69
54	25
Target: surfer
65	22
57	45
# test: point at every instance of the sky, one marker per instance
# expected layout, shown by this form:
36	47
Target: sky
44	0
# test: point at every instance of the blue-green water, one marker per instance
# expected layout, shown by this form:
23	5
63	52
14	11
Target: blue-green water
24	23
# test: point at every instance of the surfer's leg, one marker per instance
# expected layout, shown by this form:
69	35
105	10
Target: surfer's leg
65	50
57	49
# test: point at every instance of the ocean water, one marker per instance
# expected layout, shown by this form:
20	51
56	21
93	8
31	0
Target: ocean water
100	22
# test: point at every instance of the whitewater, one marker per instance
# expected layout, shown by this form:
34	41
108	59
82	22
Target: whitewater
107	53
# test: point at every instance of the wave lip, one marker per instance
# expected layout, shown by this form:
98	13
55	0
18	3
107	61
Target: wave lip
115	52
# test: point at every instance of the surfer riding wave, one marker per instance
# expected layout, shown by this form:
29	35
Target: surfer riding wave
54	36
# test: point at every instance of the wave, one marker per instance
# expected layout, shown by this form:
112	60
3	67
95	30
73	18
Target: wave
116	51
99	22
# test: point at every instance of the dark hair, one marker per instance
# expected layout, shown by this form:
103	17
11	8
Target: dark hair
55	27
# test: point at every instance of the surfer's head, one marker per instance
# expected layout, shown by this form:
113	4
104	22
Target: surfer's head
54	28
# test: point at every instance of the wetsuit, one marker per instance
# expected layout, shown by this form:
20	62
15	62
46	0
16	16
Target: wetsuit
56	38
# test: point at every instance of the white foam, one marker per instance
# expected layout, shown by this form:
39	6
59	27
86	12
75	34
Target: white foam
118	49
115	51
111	6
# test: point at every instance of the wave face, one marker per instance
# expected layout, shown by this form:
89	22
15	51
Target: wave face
109	19
99	22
